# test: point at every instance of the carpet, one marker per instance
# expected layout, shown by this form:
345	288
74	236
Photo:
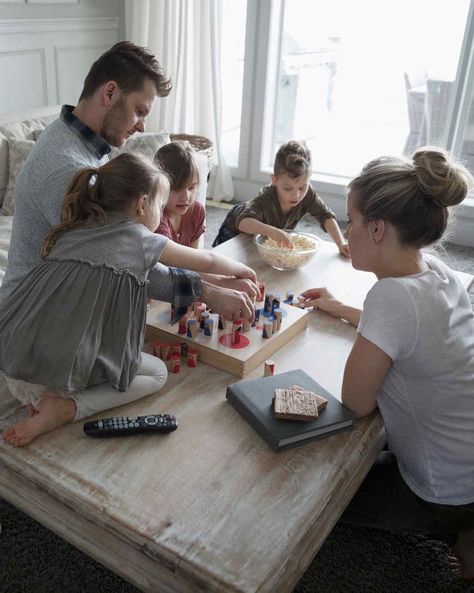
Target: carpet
352	560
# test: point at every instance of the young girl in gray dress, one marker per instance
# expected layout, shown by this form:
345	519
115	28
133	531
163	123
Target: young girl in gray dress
72	331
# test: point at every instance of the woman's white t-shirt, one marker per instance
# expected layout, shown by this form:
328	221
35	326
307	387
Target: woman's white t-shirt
425	324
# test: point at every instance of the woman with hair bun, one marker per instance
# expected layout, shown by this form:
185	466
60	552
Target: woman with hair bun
413	357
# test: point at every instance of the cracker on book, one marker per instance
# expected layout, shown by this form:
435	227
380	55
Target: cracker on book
321	402
295	404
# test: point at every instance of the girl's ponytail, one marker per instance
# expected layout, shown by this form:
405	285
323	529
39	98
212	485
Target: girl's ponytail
112	187
78	205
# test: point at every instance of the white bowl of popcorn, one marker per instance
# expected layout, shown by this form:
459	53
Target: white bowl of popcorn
282	258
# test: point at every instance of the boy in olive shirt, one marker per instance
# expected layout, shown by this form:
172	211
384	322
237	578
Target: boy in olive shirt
282	204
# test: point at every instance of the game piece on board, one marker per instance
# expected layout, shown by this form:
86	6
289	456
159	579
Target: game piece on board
267	328
182	325
236	329
209	327
267	308
203	319
277	314
275	304
191	328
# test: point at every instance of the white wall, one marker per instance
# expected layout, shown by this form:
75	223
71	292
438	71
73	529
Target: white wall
46	49
83	8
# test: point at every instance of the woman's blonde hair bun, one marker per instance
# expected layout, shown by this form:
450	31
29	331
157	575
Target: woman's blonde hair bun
439	177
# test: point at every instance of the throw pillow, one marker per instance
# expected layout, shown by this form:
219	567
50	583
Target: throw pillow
147	144
18	151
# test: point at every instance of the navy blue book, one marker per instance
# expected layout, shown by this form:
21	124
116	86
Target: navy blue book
253	400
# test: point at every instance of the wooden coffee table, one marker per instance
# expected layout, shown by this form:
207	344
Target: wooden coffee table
209	507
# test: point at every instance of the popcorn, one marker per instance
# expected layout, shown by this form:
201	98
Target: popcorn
283	258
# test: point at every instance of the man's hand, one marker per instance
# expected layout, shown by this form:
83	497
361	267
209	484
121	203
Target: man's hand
240	284
230	304
243	283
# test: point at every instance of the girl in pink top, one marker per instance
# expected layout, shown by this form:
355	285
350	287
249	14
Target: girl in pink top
184	218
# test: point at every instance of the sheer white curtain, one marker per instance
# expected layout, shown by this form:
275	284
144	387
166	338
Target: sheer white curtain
184	35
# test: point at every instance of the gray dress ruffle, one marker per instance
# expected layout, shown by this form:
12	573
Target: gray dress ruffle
78	319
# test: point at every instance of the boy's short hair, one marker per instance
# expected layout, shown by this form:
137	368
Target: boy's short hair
128	65
294	159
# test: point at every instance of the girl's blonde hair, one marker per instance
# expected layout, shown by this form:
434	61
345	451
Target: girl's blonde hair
92	192
413	193
178	161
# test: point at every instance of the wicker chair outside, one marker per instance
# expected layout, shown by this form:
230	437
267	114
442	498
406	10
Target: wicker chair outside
200	144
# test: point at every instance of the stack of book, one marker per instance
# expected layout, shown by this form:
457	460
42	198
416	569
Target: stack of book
323	414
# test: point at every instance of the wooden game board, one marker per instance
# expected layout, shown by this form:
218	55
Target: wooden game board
238	361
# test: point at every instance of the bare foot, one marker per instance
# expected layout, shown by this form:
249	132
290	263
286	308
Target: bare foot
464	552
31	410
55	412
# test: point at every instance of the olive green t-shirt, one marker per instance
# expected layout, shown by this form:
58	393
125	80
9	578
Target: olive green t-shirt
265	207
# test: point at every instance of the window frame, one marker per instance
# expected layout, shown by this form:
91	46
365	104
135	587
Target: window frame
260	71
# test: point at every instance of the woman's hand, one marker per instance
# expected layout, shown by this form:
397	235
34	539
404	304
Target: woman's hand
321	298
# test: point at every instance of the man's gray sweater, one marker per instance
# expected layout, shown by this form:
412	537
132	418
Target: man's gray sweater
57	155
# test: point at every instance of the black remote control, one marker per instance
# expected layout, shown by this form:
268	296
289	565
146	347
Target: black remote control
125	425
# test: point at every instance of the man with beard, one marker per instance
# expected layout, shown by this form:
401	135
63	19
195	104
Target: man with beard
119	92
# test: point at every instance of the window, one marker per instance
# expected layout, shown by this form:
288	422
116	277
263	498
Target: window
354	79
360	79
232	73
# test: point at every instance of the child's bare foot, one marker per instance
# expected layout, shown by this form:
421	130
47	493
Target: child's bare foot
55	412
464	552
31	410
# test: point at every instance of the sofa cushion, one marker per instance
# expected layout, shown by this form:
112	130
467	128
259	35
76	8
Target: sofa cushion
18	151
22	130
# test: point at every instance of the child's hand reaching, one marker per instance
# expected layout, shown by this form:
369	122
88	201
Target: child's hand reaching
242	284
344	250
247	273
281	237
